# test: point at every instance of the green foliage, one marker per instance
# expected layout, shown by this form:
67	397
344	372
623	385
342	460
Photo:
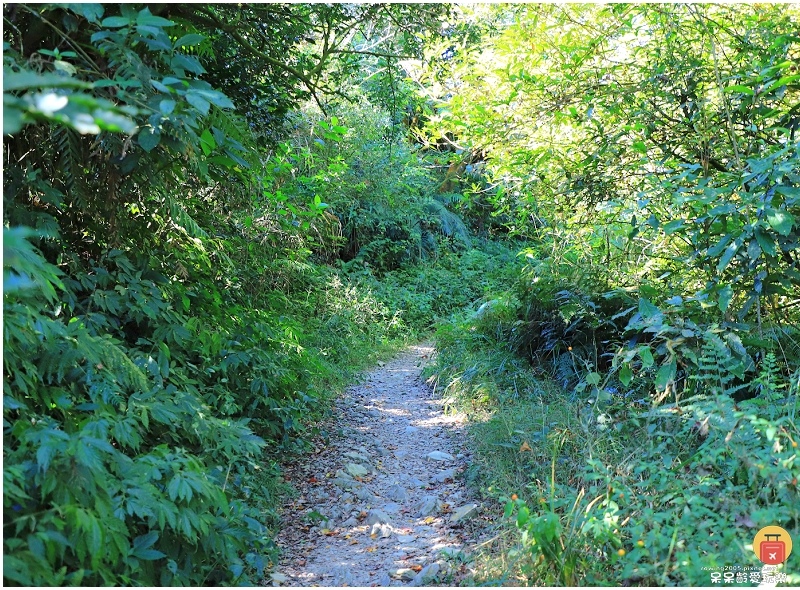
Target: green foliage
619	491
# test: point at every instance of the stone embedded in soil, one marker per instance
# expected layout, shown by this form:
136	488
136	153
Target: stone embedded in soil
397	493
463	512
440	456
384	531
384	580
278	578
427	506
411	429
356	457
391	507
426	574
364	494
404	573
443	476
377	516
344	484
356	470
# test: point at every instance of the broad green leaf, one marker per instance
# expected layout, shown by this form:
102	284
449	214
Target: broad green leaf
665	374
725	296
625	375
780	221
207	143
522	516
647	357
593	378
788	191
647	309
766	242
146	18
673	226
167	106
115	22
198	102
741	89
27	80
780	82
216	98
12	119
89	11
187	62
189	40
728	255
717	249
149	554
148	138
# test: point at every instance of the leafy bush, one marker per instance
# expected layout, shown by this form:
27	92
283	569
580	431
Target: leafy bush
616	488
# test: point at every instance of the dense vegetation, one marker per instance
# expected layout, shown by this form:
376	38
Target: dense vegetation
215	215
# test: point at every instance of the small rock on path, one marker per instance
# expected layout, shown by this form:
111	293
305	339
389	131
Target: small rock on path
375	505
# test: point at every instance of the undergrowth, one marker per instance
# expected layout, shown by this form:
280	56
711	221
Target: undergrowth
616	489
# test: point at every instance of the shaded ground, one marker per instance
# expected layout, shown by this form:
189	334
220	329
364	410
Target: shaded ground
382	503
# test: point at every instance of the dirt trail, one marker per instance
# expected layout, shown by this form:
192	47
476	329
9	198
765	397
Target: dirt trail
383	503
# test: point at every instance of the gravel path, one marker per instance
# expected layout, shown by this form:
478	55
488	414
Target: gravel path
382	504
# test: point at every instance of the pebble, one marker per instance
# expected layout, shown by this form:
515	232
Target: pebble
344	483
397	493
463	512
384	579
356	457
404	573
279	578
426	574
377	516
442	476
364	494
384	531
350	522
440	456
391	507
405	538
427	506
411	429
356	470
342	474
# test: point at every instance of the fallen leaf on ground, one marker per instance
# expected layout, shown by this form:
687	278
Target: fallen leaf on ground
372	549
525	447
328	532
416	568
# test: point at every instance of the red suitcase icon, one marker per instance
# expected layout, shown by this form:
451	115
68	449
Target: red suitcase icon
773	552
